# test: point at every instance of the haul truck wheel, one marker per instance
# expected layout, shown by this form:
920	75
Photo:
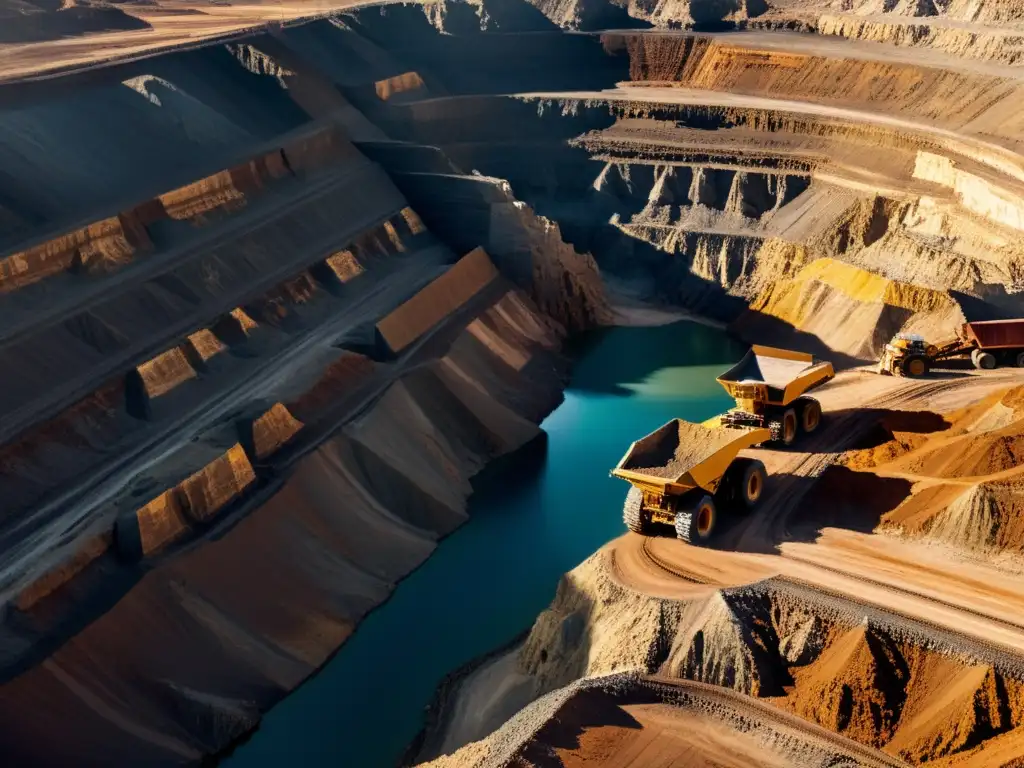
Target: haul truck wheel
785	431
985	361
696	523
752	483
810	415
741	487
633	512
915	366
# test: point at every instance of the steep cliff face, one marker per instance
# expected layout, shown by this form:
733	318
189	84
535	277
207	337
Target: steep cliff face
529	247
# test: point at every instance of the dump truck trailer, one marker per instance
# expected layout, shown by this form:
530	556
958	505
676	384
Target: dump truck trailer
990	344
769	386
687	475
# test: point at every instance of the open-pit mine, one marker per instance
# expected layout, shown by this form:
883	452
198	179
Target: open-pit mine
322	325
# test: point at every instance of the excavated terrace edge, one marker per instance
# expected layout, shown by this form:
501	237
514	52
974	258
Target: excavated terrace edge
851	611
738	710
226	37
845	608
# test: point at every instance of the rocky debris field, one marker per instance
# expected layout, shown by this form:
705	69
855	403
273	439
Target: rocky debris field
277	280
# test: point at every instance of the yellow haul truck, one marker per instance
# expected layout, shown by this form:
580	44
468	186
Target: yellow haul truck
686	475
990	343
769	387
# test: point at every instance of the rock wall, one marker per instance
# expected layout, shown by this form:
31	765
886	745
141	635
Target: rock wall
441	298
324	544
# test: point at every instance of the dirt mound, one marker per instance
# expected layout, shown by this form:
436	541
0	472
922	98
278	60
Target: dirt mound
978	447
850	310
856	687
970	455
984	517
729	641
952	709
896	434
675	449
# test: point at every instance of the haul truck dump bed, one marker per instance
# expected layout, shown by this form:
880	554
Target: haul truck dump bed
769	387
686	475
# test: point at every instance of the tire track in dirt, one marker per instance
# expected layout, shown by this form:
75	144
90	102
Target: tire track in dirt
1017	627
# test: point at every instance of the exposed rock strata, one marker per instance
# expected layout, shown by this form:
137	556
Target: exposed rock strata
246	387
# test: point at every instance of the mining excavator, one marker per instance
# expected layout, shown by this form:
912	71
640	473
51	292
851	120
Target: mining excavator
769	386
686	475
989	343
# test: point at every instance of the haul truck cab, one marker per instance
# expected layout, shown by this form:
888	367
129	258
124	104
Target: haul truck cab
687	475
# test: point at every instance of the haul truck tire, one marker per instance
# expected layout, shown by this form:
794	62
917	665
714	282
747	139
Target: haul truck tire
915	366
810	415
742	487
784	430
633	512
752	478
984	361
696	523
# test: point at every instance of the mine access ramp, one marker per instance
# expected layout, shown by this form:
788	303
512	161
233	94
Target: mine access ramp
686	475
769	386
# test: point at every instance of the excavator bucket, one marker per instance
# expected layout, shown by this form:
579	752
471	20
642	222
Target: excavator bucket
774	376
681	455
